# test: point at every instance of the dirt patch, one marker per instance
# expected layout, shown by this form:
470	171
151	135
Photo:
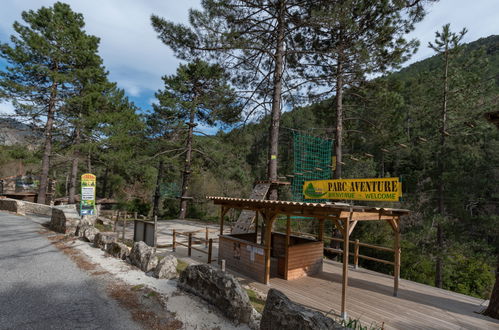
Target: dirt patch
145	305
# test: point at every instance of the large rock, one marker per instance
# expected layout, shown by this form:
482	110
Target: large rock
65	219
86	231
118	250
103	239
166	268
219	289
283	314
143	256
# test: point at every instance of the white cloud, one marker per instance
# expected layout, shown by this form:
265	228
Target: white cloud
132	53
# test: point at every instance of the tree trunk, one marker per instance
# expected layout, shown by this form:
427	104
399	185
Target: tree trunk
74	168
187	168
104	182
89	163
338	137
47	149
157	193
441	186
276	103
493	308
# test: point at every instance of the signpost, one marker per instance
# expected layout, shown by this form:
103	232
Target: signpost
377	189
87	204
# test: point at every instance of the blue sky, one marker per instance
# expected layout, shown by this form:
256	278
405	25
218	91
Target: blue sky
136	59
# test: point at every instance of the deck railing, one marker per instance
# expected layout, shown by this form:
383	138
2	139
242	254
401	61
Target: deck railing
357	246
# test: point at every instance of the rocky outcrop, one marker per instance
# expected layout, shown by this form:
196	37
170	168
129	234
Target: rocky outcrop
282	313
65	219
166	268
87	232
220	289
118	250
143	256
103	239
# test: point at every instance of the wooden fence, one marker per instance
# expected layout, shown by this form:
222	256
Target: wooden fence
193	240
357	246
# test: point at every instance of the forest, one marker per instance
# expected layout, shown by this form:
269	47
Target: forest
262	72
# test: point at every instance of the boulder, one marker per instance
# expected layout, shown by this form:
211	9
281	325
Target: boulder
102	239
87	231
143	256
220	289
282	313
166	268
118	250
65	219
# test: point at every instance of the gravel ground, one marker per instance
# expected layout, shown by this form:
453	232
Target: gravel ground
41	288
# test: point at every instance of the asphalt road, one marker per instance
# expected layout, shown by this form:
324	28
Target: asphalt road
41	288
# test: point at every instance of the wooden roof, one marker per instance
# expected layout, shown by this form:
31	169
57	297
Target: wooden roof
310	209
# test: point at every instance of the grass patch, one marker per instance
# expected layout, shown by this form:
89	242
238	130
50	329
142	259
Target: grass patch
138	287
356	325
256	301
181	266
103	228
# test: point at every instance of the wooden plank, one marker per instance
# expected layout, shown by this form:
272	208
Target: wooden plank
246	218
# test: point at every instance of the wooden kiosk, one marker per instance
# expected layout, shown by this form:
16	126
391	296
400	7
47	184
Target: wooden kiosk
290	256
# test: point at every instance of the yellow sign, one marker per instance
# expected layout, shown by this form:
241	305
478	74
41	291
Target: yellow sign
88	183
382	189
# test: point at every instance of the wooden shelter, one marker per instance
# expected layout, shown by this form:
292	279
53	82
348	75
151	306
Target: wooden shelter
296	256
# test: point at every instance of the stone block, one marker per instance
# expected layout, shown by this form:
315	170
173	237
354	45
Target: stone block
281	313
143	256
166	268
220	289
103	239
118	250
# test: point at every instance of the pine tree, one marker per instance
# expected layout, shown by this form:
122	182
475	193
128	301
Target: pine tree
251	39
350	39
43	62
197	94
446	44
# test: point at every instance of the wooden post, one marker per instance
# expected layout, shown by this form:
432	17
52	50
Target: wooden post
135	216
116	220
396	266
189	248
268	237
356	255
173	242
124	228
222	214
346	248
321	230
210	244
288	233
206	238
155	231
256	226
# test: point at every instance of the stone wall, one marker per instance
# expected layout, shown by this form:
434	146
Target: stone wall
65	219
12	205
38	209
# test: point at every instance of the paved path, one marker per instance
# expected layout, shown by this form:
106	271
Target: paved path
41	288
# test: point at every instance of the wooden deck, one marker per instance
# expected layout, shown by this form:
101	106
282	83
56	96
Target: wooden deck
370	299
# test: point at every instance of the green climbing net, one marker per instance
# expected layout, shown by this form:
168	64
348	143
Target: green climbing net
312	161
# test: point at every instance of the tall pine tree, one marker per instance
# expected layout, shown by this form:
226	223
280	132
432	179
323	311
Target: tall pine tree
43	65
